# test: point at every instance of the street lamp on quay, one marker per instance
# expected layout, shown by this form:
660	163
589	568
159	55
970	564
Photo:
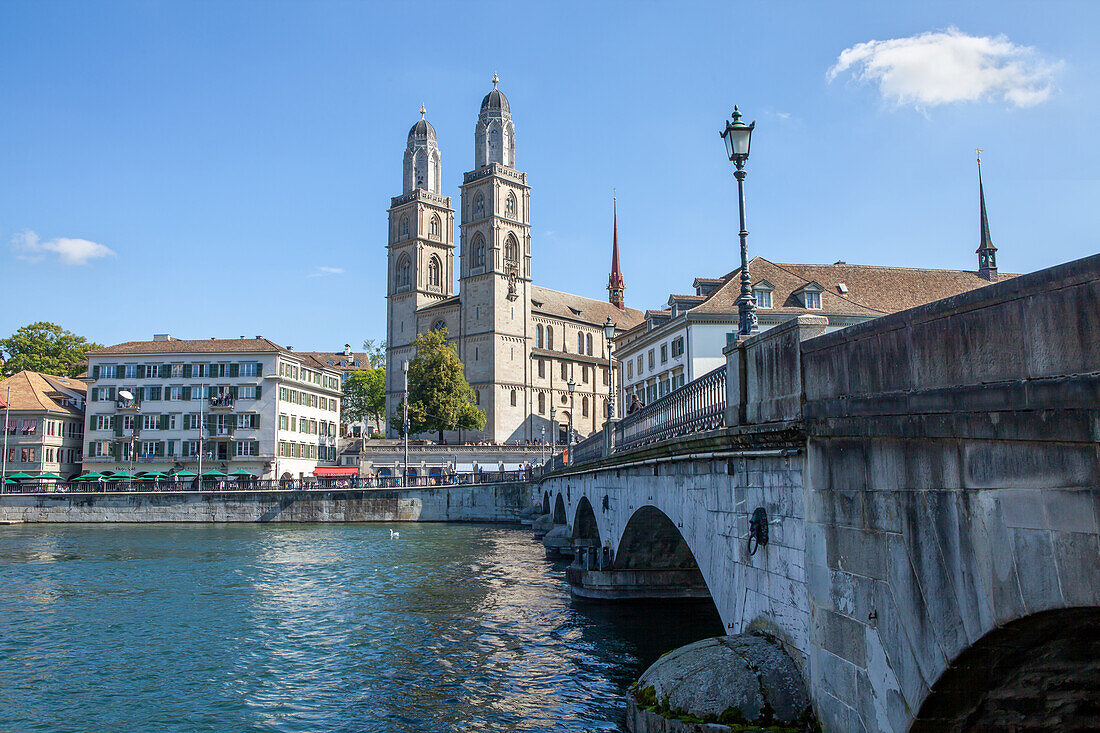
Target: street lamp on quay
405	425
738	135
572	388
553	430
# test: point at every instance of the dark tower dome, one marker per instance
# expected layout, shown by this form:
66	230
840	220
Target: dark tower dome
495	100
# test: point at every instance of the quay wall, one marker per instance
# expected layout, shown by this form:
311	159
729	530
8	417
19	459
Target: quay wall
499	502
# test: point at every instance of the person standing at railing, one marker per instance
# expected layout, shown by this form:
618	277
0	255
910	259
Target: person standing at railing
635	404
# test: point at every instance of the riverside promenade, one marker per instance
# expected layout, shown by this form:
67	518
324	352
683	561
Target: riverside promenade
486	502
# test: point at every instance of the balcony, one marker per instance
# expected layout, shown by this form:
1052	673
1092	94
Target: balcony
122	405
221	403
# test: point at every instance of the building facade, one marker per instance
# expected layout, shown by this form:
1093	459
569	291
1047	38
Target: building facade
239	404
521	344
45	423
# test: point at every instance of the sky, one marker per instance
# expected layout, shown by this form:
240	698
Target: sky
224	168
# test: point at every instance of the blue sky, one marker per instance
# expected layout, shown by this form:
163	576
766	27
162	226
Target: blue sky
224	168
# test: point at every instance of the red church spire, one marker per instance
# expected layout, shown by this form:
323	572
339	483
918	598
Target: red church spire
615	286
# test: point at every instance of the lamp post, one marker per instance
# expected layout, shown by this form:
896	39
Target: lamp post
609	334
572	388
553	429
543	449
405	425
738	135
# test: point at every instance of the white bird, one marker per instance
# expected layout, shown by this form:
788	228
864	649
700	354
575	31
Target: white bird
395	535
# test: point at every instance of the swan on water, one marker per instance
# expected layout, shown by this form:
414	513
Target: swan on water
395	535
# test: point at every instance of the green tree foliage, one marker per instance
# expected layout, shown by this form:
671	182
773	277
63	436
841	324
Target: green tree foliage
440	398
364	396
376	353
48	348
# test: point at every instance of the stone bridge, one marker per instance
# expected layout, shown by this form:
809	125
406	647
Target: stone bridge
931	484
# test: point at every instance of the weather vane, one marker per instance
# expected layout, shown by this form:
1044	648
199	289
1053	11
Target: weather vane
979	152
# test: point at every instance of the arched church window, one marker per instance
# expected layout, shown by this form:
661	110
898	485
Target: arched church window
435	226
404	271
550	337
479	205
510	205
440	325
479	250
588	343
513	398
434	269
580	342
511	249
477	396
538	336
584	407
542	403
564	370
404	230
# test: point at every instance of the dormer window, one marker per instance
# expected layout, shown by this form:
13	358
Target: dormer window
810	294
762	291
812	300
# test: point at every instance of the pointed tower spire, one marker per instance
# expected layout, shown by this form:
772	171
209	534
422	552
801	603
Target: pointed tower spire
987	253
615	286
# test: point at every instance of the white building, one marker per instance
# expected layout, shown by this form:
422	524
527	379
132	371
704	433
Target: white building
45	423
245	404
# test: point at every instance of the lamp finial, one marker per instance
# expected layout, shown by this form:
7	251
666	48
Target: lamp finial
495	80
422	110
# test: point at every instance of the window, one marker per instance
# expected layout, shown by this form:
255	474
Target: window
440	325
404	273
588	344
763	298
434	267
538	336
630	369
550	337
284	422
107	371
250	369
664	353
200	370
677	346
564	370
510	205
640	365
435	227
479	206
247	448
580	343
584	407
606	376
150	422
584	374
542	403
813	300
479	250
651	358
511	250
177	371
130	371
404	229
542	368
30	427
513	398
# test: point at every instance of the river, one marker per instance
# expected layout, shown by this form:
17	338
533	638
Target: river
323	627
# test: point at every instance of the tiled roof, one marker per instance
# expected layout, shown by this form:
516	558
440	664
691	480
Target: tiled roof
36	391
578	308
190	346
361	359
872	290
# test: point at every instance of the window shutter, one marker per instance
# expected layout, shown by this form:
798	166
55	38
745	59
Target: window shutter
186	394
256	420
213	370
95	372
163	422
110	393
259	370
232	422
233	390
158	448
186	373
234	369
116	451
141	371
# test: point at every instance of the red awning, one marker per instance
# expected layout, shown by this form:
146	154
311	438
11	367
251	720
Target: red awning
333	472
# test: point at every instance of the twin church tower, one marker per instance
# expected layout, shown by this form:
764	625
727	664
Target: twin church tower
520	343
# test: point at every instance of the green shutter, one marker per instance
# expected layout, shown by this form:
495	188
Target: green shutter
232	422
141	371
186	394
162	422
110	393
234	369
258	390
158	448
95	372
233	392
187	421
259	370
256	420
186	371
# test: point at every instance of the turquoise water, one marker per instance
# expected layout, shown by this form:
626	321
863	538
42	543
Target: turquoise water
311	628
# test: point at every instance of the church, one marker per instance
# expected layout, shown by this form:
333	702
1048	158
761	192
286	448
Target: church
521	344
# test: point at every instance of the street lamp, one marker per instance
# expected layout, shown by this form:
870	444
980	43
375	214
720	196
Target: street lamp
738	135
609	334
405	425
553	429
572	388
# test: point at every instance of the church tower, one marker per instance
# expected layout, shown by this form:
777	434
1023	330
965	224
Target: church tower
495	274
987	253
421	251
615	284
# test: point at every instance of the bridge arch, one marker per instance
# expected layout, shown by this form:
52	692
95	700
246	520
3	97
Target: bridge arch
1038	670
651	540
546	502
560	517
586	528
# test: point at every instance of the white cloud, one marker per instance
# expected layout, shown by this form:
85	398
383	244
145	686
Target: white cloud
322	271
783	115
28	246
942	67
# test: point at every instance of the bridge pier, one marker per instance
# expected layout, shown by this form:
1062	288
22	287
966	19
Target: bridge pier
636	585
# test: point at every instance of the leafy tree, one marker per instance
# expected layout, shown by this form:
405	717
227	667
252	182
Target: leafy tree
364	396
48	348
376	353
440	398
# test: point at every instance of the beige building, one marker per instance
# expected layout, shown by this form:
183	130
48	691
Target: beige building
520	343
242	404
45	423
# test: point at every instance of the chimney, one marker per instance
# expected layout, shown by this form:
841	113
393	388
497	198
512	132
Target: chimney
347	349
161	337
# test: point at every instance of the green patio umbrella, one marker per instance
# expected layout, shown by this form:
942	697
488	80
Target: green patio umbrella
90	476
242	473
121	476
151	476
20	476
213	473
185	474
49	475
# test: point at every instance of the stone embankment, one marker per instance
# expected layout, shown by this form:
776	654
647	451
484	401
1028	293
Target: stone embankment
501	502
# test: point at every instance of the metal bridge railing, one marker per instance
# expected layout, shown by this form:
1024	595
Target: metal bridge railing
697	406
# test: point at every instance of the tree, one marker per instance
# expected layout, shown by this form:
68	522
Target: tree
48	348
439	396
376	353
364	396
